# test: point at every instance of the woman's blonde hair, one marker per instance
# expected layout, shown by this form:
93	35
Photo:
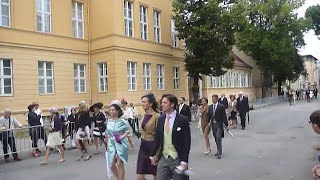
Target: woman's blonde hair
82	107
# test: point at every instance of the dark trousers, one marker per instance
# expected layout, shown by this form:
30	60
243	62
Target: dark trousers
37	133
243	119
217	132
6	139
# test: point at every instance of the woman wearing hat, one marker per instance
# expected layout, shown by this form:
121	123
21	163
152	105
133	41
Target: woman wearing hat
54	138
99	127
117	136
148	131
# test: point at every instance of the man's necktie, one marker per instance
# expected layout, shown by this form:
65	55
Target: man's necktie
166	124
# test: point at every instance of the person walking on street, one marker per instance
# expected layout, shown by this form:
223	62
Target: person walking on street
117	133
232	108
223	100
217	117
205	125
9	123
148	130
99	127
172	141
184	109
55	136
83	133
242	108
128	116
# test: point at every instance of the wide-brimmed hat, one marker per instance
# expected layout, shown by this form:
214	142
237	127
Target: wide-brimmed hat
98	105
115	102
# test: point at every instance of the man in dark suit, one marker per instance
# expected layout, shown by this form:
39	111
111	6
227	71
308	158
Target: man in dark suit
184	109
172	141
223	100
242	108
217	117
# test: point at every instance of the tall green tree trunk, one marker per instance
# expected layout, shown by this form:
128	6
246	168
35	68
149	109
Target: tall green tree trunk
279	87
195	89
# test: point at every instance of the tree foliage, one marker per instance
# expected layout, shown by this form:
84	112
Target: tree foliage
207	27
313	12
271	36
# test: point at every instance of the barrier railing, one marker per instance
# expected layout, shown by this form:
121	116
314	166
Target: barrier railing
27	139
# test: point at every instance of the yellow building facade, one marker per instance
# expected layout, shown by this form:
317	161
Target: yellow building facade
60	52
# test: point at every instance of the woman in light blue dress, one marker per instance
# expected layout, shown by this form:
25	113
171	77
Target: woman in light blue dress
117	132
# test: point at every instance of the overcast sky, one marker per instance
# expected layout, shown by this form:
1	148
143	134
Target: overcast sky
312	42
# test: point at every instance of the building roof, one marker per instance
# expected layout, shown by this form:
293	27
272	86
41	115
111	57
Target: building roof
240	63
309	55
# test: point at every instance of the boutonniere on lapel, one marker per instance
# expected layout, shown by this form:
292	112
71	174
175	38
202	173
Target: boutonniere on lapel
179	129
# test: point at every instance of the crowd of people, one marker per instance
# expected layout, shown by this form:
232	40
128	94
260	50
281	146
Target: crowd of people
301	94
164	131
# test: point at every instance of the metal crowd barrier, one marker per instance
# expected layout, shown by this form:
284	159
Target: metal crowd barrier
24	139
267	101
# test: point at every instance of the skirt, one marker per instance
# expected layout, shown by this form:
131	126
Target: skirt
54	140
233	116
144	163
82	133
97	133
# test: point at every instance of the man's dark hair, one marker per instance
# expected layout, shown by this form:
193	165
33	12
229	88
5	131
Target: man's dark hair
172	99
184	99
315	117
215	96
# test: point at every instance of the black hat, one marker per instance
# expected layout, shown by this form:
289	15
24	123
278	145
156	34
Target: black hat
98	105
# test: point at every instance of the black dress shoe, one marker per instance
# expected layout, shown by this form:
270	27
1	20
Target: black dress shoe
216	154
219	157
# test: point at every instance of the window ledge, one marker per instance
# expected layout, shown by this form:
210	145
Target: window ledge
6	95
48	94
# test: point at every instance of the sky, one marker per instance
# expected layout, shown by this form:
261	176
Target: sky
312	46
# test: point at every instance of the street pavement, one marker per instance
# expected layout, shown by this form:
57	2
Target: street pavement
278	144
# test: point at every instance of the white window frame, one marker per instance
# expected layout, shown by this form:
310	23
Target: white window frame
42	16
174	35
76	20
132	75
176	78
143	22
78	77
2	77
103	77
157	26
9	9
146	74
160	77
45	77
128	19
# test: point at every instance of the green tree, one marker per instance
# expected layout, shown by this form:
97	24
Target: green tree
207	27
271	36
313	12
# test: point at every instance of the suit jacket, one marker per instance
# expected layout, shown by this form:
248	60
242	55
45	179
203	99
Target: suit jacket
242	105
224	102
185	111
181	137
220	116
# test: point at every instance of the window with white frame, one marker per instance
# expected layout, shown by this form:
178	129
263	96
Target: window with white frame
5	13
43	16
176	76
132	75
231	79
156	26
45	74
103	77
79	78
143	22
160	77
128	18
5	77
146	76
174	34
77	19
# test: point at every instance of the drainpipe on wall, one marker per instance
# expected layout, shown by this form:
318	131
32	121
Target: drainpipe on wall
89	55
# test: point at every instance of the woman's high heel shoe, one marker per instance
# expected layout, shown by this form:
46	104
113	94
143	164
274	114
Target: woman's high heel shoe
87	158
206	153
